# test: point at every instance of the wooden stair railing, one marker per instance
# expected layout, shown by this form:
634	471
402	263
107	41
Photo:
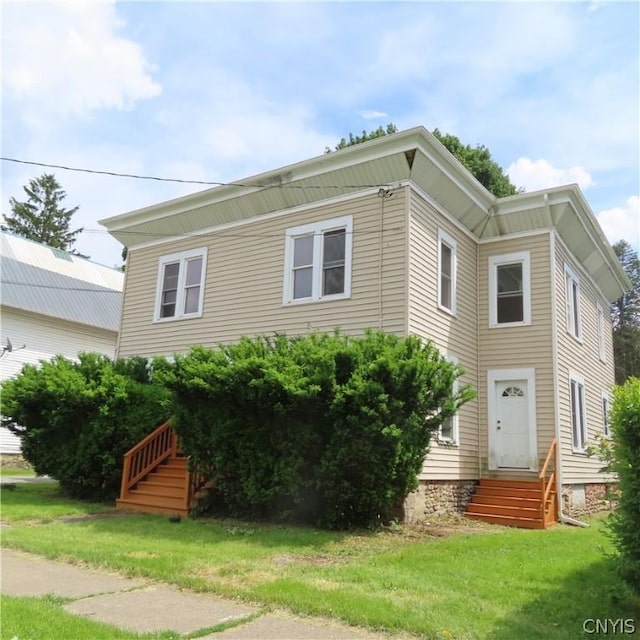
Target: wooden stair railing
548	486
145	456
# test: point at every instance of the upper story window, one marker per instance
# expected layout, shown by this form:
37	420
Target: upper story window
447	249
600	320
509	290
572	292
180	288
318	261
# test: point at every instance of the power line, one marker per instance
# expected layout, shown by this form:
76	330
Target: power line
225	234
118	174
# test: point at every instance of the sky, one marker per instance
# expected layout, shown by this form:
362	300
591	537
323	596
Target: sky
221	91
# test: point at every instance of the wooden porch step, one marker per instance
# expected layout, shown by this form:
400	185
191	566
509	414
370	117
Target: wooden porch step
508	492
506	501
145	497
165	471
149	488
143	507
506	521
511	511
515	503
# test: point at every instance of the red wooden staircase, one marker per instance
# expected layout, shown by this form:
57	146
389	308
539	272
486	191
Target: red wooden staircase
518	503
155	476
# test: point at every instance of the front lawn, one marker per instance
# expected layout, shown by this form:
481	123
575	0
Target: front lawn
447	580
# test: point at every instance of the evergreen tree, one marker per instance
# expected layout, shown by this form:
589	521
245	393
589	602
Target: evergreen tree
42	217
625	315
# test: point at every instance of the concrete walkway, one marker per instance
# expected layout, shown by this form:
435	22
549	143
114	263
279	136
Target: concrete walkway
142	605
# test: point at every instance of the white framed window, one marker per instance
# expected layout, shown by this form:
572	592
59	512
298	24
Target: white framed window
572	293
578	415
448	430
510	290
605	415
318	261
600	320
447	266
180	288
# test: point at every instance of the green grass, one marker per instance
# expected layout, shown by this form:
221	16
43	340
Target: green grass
452	581
15	471
39	618
42	502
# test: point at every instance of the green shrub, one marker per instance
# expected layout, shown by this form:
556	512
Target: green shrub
323	428
77	419
625	521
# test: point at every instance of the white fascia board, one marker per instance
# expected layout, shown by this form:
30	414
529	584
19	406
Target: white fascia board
254	219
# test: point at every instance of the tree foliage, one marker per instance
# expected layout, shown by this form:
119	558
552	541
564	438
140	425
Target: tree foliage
625	521
625	316
476	159
479	162
365	137
325	429
42	217
77	419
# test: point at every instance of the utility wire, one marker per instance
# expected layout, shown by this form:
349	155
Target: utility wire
201	182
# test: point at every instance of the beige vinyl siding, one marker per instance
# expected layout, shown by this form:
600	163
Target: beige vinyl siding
245	277
453	335
519	347
582	359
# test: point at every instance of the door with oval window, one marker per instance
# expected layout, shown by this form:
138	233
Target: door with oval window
512	428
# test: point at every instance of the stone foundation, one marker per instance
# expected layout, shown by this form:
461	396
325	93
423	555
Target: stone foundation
437	498
13	460
584	499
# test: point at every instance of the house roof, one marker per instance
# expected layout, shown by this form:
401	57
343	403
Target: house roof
50	282
413	156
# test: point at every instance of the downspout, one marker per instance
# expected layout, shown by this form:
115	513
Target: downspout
477	246
383	194
562	517
124	289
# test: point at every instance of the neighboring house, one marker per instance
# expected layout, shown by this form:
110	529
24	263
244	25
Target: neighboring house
396	234
53	303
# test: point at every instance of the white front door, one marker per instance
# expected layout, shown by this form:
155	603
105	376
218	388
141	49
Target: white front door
512	428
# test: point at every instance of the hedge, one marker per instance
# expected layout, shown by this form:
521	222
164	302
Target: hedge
326	429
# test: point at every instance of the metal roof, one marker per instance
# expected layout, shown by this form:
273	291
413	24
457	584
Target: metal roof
415	157
50	282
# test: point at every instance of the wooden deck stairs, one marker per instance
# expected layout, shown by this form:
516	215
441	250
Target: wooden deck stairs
518	503
155	476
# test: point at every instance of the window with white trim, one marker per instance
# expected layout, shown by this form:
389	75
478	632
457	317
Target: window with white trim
600	317
510	290
318	261
578	415
572	293
447	259
448	430
180	289
605	415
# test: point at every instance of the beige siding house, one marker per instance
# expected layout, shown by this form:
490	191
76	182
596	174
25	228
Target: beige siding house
396	234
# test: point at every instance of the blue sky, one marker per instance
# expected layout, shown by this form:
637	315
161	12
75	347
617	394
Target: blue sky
220	91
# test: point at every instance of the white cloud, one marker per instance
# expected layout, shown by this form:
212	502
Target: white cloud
541	174
622	223
67	58
372	115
